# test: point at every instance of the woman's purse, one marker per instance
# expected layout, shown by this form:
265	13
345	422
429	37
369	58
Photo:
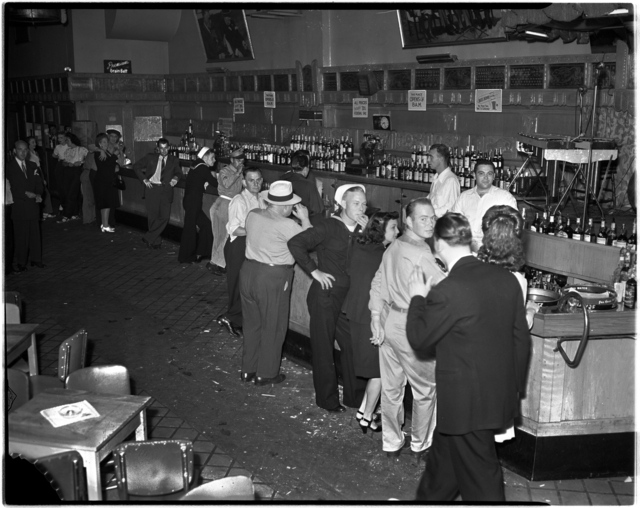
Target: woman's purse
118	182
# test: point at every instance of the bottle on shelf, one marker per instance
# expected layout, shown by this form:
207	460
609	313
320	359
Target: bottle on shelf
622	239
577	232
631	289
601	237
524	218
632	242
611	234
542	225
589	233
560	229
535	225
467	159
568	229
472	160
551	226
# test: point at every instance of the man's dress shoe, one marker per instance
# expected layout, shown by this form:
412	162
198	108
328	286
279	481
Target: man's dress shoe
261	381
215	269
248	376
338	409
225	323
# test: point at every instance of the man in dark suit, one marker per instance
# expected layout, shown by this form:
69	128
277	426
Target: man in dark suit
26	189
475	320
306	189
160	173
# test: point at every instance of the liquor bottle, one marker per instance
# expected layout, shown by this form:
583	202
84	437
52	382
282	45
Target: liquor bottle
601	238
632	242
551	226
542	226
631	290
501	159
417	175
589	233
524	218
494	159
467	178
577	232
459	159
622	239
611	234
535	225
560	229
467	159
414	154
473	159
350	148
568	229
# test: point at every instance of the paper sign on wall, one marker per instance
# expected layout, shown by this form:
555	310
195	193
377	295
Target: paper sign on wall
238	106
225	126
417	100
488	101
269	99
360	108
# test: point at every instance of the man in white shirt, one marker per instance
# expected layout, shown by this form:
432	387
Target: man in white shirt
445	188
474	203
234	248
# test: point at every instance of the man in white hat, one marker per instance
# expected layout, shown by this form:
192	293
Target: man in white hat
229	185
332	239
265	281
234	248
160	173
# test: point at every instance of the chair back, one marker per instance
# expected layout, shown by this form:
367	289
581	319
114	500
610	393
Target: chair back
232	488
11	314
101	379
17	389
72	354
65	471
153	468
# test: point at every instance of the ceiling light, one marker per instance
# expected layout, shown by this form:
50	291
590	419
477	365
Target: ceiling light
536	34
442	58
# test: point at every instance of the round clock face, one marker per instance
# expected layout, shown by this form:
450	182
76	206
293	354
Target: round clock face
384	122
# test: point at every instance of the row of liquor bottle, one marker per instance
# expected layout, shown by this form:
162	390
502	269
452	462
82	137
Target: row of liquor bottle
548	225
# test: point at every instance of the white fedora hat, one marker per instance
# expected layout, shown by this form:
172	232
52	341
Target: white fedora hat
280	193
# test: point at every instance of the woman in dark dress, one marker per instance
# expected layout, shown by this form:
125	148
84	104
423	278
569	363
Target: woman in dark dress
104	193
381	230
194	247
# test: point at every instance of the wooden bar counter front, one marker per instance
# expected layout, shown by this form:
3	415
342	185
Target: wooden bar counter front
576	422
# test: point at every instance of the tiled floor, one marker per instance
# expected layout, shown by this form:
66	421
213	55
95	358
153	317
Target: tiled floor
176	305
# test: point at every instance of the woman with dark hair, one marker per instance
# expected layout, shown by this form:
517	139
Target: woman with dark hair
502	228
474	319
104	193
380	231
195	246
72	161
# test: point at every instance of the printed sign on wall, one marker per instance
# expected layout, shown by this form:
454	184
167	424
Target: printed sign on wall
360	108
417	100
488	101
117	66
269	99
238	106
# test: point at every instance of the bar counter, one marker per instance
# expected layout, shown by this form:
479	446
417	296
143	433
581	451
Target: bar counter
576	422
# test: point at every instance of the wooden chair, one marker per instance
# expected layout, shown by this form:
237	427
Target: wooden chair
101	379
154	470
17	389
65	471
71	357
233	488
11	314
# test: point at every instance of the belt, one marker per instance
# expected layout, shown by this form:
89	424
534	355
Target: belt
224	197
398	309
267	264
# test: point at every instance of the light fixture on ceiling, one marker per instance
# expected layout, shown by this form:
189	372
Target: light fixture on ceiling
537	34
441	58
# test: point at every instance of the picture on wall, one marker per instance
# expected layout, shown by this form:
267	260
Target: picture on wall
423	28
225	35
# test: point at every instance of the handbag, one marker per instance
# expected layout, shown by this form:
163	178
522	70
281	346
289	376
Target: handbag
118	182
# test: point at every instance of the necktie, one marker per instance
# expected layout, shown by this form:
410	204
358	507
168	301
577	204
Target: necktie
24	169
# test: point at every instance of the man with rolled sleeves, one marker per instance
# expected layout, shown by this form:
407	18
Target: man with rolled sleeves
26	190
265	281
229	186
160	173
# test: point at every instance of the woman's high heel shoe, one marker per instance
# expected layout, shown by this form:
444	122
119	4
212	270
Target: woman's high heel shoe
369	424
107	229
359	415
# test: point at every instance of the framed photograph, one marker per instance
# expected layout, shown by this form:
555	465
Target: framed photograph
381	122
424	28
225	35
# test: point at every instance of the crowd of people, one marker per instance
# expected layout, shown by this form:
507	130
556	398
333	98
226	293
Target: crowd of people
441	306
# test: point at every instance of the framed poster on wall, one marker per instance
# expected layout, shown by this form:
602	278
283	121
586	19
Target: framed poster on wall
225	35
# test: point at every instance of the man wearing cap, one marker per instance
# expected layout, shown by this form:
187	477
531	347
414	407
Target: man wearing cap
306	189
234	248
160	173
265	281
332	239
195	246
229	185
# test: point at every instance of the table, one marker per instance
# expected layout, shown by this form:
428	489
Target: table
17	342
32	436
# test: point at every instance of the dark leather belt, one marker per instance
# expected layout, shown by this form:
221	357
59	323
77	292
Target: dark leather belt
398	309
268	264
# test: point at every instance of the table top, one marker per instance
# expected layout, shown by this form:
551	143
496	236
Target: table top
16	334
27	425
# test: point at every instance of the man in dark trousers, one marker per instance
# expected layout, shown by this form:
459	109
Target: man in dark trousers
26	190
332	239
160	173
475	320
